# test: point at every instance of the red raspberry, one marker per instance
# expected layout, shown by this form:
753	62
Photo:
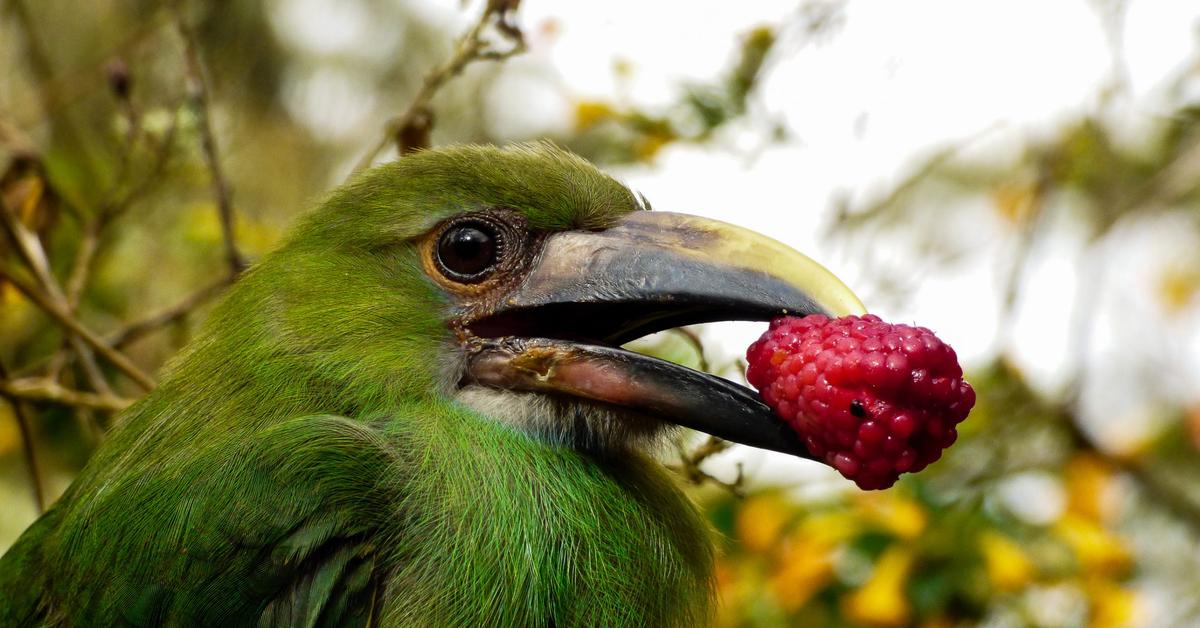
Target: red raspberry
871	399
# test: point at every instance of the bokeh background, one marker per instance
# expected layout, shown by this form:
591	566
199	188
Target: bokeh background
1023	177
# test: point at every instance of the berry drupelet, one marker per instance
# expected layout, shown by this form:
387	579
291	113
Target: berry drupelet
871	399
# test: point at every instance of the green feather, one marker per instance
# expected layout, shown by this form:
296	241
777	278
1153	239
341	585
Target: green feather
304	463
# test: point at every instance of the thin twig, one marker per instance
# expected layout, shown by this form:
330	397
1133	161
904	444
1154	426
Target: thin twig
13	137
693	339
131	332
1029	232
200	101
61	87
48	390
90	421
49	88
73	325
1173	180
689	466
117	204
410	128
136	330
28	451
33	255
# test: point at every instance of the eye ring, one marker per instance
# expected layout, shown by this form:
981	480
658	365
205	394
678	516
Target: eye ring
470	249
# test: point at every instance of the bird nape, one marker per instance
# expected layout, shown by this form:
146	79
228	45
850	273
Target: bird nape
417	412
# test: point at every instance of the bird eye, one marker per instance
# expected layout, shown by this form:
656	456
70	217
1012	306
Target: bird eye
468	251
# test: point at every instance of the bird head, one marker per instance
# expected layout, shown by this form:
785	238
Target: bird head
507	281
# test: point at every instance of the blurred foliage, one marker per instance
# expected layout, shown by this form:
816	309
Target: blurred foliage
945	547
611	134
1029	520
910	557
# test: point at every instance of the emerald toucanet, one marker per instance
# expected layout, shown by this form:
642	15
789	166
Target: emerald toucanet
417	412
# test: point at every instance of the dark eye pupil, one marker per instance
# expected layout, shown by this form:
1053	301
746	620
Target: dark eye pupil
467	251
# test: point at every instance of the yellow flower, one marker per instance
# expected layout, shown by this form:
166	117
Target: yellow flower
1177	287
1113	606
897	514
1096	548
805	560
805	567
1008	567
647	147
589	113
829	528
1089	482
203	226
761	521
881	601
1015	202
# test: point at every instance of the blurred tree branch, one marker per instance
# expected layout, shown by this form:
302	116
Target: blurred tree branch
29	249
410	130
34	278
697	343
28	450
1115	184
119	202
613	133
122	197
51	90
690	461
54	307
48	390
200	101
140	165
1028	223
139	328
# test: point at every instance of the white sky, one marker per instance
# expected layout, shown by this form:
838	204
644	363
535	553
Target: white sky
897	81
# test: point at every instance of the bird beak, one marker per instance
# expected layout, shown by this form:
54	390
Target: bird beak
559	331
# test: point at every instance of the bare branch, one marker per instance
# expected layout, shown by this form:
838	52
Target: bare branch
71	324
25	428
29	249
1029	232
14	137
694	339
410	130
199	99
48	390
112	209
689	466
133	331
51	91
89	246
81	266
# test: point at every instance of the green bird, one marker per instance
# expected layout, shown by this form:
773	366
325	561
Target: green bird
417	412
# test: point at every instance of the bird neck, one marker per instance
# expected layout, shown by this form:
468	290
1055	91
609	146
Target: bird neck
507	528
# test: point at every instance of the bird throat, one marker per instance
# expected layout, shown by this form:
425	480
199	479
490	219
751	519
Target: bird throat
512	529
